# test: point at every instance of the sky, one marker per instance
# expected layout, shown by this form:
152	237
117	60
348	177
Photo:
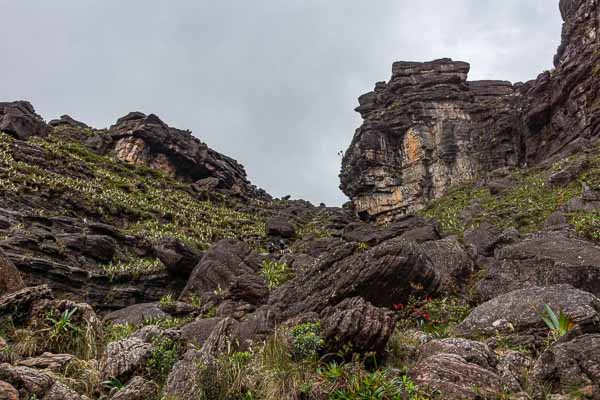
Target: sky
271	83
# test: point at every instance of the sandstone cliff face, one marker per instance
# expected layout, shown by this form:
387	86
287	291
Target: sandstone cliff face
146	140
429	128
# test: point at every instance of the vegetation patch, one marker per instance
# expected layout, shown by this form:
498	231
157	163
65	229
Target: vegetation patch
524	206
275	273
140	200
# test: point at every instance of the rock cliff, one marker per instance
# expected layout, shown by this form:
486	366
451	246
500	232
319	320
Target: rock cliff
429	128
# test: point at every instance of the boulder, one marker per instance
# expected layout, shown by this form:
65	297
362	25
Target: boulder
49	361
179	258
18	304
10	277
226	264
280	227
60	391
146	140
451	262
518	312
486	238
8	391
569	365
20	120
542	259
136	314
123	359
382	275
357	324
410	227
458	369
137	389
196	332
28	381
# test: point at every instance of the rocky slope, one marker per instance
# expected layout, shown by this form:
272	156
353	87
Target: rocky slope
429	128
138	263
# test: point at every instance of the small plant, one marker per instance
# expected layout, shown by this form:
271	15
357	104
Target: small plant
559	325
63	325
275	273
164	355
196	301
306	340
113	383
362	246
166	301
116	332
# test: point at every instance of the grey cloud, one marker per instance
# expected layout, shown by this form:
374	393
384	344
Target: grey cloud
271	83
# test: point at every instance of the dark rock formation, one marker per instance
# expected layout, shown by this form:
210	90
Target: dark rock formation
228	269
383	275
146	140
357	324
280	227
10	278
137	389
519	311
429	128
545	258
425	130
572	364
460	369
20	120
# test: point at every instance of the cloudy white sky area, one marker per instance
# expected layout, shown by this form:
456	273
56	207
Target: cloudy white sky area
272	83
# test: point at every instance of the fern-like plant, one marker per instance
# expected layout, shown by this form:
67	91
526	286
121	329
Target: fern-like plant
560	324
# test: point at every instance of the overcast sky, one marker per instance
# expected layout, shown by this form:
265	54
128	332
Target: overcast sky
272	83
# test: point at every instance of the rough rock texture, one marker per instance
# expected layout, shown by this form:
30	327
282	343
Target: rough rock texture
356	323
458	368
137	389
20	120
18	305
52	362
545	258
451	262
146	140
383	275
10	278
8	391
28	381
572	364
280	227
228	269
136	314
429	128
518	311
122	359
425	130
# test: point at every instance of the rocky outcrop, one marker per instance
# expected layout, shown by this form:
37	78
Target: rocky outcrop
383	275
10	278
429	128
20	120
572	364
519	312
146	140
424	131
545	258
358	325
460	369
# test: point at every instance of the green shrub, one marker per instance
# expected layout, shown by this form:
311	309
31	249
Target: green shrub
275	273
165	354
135	268
306	340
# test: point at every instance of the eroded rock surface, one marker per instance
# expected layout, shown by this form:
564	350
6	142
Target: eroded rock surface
429	128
